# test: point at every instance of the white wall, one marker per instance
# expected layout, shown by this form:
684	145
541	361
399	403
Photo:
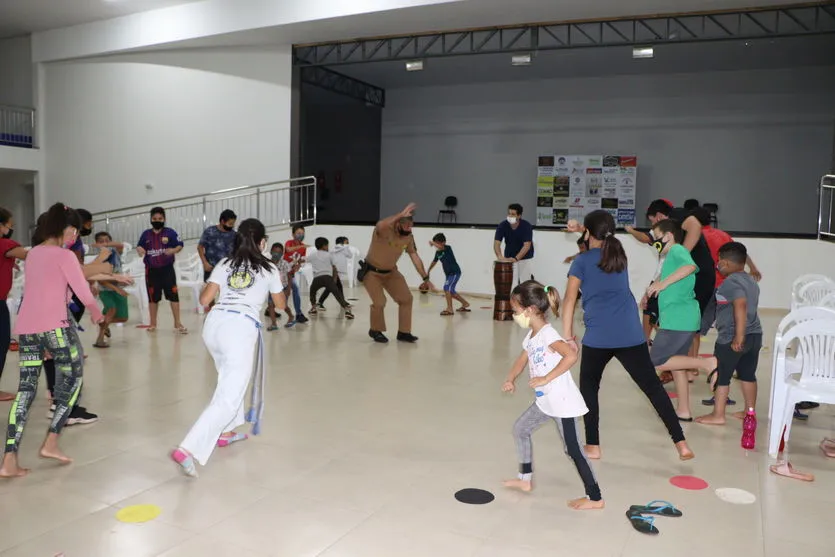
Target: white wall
756	142
780	261
16	72
188	122
18	196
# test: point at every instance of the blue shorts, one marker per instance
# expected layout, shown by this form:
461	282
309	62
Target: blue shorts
451	282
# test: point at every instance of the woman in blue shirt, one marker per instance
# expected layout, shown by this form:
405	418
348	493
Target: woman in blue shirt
613	328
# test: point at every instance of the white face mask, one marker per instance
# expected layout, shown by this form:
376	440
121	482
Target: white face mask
512	220
522	320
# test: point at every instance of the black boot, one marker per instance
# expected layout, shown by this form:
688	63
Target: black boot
406	337
377	336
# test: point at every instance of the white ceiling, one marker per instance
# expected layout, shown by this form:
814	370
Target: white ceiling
26	16
21	17
467	14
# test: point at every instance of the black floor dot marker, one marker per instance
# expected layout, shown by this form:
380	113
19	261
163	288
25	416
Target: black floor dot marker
472	496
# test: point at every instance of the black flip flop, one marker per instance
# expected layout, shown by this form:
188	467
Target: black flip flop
686	420
660	508
643	524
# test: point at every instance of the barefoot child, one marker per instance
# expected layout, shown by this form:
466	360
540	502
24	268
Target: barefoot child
43	324
452	271
549	359
740	335
231	333
112	296
679	317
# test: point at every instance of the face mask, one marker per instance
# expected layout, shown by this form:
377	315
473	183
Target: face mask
277	255
299	237
157	225
522	320
228	228
512	220
659	245
86	231
9	234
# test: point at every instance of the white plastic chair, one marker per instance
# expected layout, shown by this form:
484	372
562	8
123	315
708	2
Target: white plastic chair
812	293
792	362
828	301
190	275
353	263
801	282
138	289
815	381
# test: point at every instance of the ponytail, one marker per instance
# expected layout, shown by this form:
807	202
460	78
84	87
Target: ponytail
553	300
533	294
612	255
246	250
601	225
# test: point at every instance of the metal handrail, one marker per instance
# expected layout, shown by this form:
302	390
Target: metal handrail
281	203
17	126
826	203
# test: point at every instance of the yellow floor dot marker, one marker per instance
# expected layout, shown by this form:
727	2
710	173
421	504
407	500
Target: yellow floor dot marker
138	513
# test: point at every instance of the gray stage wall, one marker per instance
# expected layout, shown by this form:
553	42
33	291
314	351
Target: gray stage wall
756	142
339	134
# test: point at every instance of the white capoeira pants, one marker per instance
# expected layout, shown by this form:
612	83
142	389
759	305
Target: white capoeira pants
232	339
522	271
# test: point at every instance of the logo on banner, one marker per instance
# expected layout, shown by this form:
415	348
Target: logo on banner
611	161
629	161
626	203
561	161
546	161
625	216
595	161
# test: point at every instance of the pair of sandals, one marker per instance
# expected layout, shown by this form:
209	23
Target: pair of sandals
462	309
646	524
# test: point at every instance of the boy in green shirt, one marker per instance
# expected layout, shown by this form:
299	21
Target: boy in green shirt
679	317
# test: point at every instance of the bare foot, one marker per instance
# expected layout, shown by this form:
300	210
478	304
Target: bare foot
593	451
684	452
521	485
13	472
710	419
5	397
739	415
55	454
586	504
827	446
787	470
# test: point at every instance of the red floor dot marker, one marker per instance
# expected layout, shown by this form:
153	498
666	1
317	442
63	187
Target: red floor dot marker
705	355
672	395
691	483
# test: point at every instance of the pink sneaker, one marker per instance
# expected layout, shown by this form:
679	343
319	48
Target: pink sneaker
228	440
185	461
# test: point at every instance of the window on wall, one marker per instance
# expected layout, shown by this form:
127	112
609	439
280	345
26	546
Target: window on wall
826	209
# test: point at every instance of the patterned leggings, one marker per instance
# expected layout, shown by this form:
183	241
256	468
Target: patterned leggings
63	344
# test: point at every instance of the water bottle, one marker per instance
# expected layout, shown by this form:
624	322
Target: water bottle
749	430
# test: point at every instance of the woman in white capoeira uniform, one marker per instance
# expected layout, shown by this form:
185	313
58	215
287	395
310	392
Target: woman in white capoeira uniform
231	333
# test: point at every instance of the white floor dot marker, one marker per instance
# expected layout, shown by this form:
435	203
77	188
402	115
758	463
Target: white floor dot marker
736	496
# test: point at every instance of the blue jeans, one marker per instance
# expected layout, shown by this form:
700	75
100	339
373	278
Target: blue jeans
297	298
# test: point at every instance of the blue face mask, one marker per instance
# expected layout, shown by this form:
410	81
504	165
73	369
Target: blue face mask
276	255
299	237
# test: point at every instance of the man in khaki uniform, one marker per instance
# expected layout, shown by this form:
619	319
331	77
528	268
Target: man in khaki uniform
392	236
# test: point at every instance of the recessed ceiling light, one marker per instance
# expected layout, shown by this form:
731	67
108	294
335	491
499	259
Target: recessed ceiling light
521	59
414	66
643	52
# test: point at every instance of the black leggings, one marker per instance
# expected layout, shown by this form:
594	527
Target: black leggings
327	293
330	286
5	333
636	361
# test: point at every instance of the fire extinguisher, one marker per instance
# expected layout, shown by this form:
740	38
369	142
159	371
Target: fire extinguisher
337	181
322	186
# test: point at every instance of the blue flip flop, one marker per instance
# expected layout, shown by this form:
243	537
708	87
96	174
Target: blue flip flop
660	508
643	524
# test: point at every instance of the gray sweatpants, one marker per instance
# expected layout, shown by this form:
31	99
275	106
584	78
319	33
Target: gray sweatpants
532	419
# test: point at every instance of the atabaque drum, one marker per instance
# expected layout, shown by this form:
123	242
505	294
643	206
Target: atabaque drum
503	281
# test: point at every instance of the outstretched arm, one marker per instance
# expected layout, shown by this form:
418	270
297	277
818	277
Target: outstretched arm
389	222
680	273
642	237
515	371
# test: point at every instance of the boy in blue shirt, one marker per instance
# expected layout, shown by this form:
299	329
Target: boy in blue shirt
451	270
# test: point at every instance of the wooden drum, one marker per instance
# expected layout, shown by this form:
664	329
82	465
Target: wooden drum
503	281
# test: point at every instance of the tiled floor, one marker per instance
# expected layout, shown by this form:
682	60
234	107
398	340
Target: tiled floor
364	446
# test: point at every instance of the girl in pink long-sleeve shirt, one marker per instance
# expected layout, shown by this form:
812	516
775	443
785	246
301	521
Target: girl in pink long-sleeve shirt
42	325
